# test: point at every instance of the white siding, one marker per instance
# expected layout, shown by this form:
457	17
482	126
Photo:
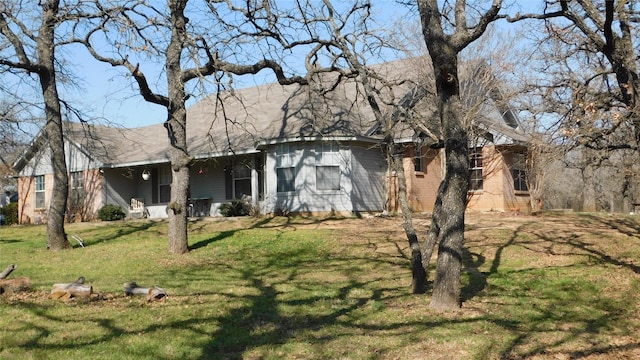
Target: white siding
350	197
369	179
76	160
207	181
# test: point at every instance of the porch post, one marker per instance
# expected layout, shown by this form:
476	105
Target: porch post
254	183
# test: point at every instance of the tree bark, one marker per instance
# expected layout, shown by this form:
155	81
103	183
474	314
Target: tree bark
448	220
176	125
152	293
66	291
419	275
56	237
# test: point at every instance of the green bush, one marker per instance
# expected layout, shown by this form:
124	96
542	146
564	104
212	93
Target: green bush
235	208
10	212
111	212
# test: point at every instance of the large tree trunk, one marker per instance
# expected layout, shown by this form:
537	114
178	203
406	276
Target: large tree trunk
177	130
56	237
448	219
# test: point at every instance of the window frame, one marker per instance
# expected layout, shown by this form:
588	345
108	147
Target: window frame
77	186
327	166
237	168
39	190
161	179
519	173
476	170
285	168
418	164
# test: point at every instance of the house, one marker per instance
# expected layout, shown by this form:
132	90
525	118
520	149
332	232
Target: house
289	149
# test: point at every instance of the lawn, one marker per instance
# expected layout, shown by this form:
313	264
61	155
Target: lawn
554	286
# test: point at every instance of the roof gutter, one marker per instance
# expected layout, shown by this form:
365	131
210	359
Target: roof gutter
275	141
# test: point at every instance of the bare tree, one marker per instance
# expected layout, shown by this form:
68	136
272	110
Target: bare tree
193	51
32	51
446	36
590	79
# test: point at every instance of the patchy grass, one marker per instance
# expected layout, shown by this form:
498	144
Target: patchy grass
559	286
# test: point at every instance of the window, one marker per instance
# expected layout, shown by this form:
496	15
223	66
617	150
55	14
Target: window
161	185
164	185
77	187
519	173
475	169
417	159
285	168
39	192
238	180
327	166
286	179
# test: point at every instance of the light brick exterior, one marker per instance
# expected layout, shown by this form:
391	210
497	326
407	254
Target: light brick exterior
497	194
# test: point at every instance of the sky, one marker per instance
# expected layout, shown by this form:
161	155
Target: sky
111	97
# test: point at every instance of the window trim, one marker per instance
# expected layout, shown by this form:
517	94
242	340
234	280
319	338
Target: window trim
327	156
285	159
39	180
76	188
519	174
418	164
476	166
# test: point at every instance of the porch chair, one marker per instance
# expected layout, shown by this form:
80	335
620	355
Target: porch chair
137	209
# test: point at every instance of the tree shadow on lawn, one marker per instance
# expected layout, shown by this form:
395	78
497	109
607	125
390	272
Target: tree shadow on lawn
221	236
471	263
260	321
560	310
262	223
129	228
225	234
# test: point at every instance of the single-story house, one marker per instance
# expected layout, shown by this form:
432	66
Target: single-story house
289	149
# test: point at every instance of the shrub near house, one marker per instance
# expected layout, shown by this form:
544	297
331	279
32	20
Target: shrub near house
111	212
9	214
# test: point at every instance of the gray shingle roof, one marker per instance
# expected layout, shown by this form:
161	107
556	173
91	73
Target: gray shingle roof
240	120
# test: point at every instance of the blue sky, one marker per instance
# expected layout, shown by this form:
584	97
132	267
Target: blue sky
110	96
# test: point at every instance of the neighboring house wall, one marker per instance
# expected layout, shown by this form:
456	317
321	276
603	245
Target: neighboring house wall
120	186
85	195
208	185
221	180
